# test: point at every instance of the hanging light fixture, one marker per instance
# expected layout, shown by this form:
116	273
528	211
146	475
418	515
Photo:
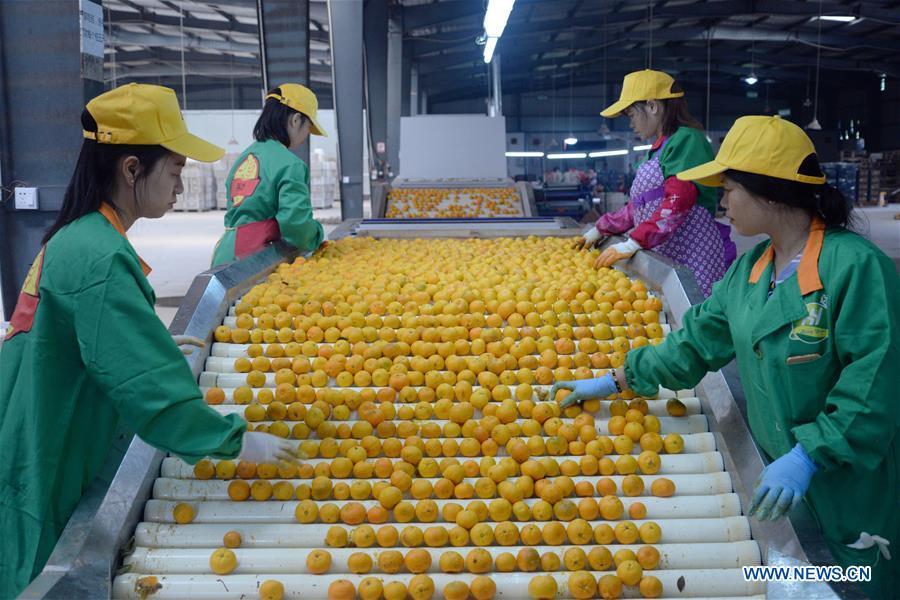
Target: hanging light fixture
571	140
495	18
553	142
604	128
807	102
814	124
751	79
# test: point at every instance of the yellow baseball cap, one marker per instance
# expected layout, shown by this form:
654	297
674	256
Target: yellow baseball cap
762	145
640	86
301	98
146	115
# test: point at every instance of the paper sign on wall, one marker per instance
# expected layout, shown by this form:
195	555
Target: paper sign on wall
92	39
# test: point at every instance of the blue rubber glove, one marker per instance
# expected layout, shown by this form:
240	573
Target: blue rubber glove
782	484
584	389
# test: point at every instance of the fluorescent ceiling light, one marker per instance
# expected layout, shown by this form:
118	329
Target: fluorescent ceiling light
489	46
524	154
570	141
838	18
496	16
751	79
603	153
814	125
642	148
566	155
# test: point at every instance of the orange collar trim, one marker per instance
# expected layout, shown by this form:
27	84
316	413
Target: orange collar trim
659	142
808	270
110	213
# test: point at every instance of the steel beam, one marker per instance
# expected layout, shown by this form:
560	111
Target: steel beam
120	37
117	17
414	91
40	129
375	26
284	45
395	96
346	25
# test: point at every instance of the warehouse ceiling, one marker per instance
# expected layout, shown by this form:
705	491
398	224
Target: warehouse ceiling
547	43
214	43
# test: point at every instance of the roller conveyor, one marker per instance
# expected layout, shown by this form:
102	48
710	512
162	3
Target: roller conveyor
270	511
721	584
704	516
288	560
704	540
719	529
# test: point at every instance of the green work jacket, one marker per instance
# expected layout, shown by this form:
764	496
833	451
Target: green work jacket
268	181
86	351
820	365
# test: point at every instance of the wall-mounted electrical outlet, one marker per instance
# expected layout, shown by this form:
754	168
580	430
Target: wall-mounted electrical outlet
26	198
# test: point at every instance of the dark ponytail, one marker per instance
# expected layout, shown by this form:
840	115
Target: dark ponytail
272	123
822	200
95	175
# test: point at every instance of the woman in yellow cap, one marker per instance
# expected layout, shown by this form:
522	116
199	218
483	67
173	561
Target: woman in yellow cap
813	318
672	217
85	351
268	186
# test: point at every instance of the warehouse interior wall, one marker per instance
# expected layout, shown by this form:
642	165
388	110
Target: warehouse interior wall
233	130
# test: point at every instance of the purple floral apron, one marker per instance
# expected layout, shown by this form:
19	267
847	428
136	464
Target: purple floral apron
696	243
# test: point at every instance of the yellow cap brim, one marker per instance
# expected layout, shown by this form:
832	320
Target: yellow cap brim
315	128
191	146
709	174
615	109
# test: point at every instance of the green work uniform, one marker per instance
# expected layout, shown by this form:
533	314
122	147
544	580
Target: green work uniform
268	181
86	353
685	149
820	365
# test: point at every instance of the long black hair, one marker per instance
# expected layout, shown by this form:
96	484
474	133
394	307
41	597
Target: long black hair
675	112
272	123
821	200
95	175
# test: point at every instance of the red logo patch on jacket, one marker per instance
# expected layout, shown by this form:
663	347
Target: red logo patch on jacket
245	180
26	306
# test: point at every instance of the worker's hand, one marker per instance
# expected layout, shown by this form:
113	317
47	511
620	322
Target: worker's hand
260	447
782	485
584	389
187	343
617	252
589	239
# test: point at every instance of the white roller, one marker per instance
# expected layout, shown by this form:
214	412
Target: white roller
694	443
272	511
650	294
654	407
682	425
293	560
673	466
700	583
231	322
228	378
178	488
261	535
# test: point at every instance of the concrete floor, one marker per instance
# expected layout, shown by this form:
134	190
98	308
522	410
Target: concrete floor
180	245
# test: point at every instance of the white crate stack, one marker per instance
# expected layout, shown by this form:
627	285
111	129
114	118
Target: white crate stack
199	188
322	180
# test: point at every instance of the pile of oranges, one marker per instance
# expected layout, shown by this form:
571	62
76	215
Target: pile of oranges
453	203
415	374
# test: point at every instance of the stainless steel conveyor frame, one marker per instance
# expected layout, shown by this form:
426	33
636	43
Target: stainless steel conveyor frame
88	554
